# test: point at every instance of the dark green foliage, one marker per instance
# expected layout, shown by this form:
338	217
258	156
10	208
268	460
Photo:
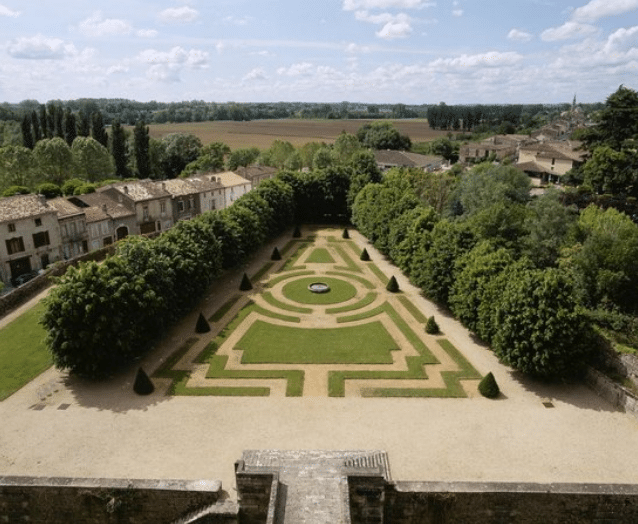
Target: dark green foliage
488	386
296	233
48	190
393	285
275	254
27	133
119	149
364	255
242	157
70	127
245	283
345	233
180	150
141	143
15	190
539	326
143	384
202	325
382	135
431	327
97	129
69	187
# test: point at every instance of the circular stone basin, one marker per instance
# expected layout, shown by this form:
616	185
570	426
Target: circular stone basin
319	287
299	290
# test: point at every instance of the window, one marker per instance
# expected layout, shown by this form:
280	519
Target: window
15	245
163	207
41	239
38	222
145	213
12	228
180	206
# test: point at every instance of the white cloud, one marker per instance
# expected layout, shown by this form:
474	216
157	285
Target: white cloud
238	21
353	48
457	12
394	26
117	69
146	33
254	75
182	14
40	47
623	40
490	59
5	11
96	25
300	69
167	66
519	36
596	9
567	31
353	5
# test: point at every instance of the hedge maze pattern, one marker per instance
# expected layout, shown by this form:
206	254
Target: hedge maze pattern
281	339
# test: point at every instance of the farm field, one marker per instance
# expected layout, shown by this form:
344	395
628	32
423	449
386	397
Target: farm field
262	133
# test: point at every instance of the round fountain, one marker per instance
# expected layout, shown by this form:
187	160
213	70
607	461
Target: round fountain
319	287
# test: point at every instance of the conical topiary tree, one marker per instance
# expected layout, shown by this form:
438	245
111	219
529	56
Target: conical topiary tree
431	327
364	255
297	232
488	386
202	324
143	384
245	283
345	233
393	285
275	254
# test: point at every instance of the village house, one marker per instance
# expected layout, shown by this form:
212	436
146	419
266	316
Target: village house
501	146
549	160
73	232
387	159
185	200
106	219
233	186
29	236
256	174
210	192
150	201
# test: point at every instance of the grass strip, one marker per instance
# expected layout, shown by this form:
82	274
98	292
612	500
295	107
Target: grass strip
23	351
294	377
350	264
262	271
320	255
287	247
219	314
367	300
355	249
268	297
414	311
378	273
292	260
452	379
276	280
366	283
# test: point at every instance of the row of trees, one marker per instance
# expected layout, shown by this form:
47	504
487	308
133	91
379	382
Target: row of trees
524	274
101	316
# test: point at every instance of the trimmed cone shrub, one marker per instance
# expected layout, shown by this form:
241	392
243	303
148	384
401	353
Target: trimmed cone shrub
364	255
296	233
488	386
143	384
431	327
245	283
275	254
345	233
202	324
393	285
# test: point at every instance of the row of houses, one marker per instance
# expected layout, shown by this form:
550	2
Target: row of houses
545	159
35	232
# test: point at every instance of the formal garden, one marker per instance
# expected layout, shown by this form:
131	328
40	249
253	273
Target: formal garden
318	321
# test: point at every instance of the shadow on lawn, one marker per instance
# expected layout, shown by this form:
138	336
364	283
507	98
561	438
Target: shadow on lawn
115	393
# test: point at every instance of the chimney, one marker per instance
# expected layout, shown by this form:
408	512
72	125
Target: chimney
164	186
104	208
125	189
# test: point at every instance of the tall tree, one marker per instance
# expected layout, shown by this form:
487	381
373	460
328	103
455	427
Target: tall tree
55	159
119	149
70	130
84	123
92	159
35	124
27	134
44	121
97	129
141	144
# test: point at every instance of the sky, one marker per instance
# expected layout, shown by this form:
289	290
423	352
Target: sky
370	51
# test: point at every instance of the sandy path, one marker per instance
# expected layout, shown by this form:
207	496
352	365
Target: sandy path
104	430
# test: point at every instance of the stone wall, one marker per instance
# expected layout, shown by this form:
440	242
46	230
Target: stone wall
492	503
258	490
105	501
25	292
612	392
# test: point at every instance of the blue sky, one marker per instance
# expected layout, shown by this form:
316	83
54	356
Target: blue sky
375	51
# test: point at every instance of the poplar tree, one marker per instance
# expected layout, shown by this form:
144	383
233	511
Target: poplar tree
141	144
119	149
97	129
27	135
70	131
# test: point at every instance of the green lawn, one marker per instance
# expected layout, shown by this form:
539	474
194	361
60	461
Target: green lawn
320	256
340	291
268	343
23	353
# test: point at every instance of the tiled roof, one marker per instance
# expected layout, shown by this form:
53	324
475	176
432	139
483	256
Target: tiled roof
101	201
252	172
404	159
179	187
64	207
204	183
141	190
227	178
556	150
23	206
